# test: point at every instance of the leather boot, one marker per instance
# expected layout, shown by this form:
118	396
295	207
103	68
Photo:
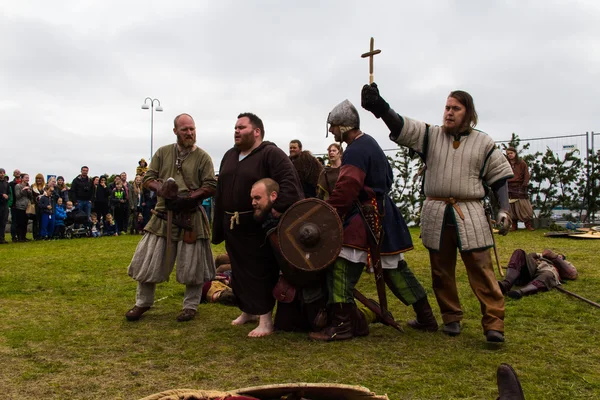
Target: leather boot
529	225
425	319
340	326
509	387
524	291
516	262
509	280
514	226
566	270
135	313
360	325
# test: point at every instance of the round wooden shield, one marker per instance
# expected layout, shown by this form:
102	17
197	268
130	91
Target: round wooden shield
562	234
310	235
320	391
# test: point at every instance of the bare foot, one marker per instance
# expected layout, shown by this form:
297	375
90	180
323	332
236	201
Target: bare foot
264	328
244	318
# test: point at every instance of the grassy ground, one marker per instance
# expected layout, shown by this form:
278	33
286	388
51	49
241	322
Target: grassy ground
63	334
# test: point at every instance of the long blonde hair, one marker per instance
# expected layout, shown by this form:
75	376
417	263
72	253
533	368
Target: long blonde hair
137	188
39	187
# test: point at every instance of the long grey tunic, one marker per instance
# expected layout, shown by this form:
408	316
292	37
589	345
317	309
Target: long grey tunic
459	173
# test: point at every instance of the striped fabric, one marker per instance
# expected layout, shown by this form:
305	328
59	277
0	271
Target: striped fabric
459	173
403	284
342	277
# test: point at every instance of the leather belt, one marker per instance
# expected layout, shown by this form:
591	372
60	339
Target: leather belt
454	203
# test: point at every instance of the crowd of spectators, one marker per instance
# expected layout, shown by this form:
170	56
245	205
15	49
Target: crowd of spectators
94	206
90	205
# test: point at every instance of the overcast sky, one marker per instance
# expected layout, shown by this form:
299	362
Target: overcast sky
74	74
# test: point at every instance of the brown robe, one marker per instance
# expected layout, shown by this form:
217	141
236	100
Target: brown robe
254	269
517	185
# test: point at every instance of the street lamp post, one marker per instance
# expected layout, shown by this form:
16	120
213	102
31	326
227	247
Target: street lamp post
151	106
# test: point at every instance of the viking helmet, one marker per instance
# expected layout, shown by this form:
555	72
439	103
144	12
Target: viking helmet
345	116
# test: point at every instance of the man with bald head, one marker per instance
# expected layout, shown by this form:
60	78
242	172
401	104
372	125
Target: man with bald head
192	171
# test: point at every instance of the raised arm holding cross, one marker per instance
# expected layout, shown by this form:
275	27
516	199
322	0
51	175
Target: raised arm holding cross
371	54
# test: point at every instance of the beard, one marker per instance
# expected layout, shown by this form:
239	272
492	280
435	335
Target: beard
246	142
453	130
261	214
186	143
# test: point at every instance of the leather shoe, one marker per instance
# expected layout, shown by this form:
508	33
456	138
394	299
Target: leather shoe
494	336
452	328
135	313
509	387
187	314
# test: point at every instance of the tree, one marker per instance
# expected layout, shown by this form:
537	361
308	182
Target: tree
554	181
587	194
406	189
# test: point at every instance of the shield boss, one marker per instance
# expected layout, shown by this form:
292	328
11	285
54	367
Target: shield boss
310	235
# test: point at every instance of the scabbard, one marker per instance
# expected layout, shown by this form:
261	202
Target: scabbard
375	250
379	280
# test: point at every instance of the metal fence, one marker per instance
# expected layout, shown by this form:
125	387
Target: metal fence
584	142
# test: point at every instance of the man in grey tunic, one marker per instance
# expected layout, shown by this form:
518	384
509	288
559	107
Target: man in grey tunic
193	172
461	161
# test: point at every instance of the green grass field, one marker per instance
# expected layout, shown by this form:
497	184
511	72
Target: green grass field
63	334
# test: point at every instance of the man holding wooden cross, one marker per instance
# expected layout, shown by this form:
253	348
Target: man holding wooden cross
461	161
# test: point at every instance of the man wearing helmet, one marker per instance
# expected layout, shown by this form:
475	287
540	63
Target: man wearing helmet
365	180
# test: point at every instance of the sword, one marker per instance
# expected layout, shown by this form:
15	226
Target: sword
561	289
494	241
488	213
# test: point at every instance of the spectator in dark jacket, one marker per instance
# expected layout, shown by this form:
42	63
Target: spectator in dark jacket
62	190
101	197
22	199
13	213
82	191
120	204
4	196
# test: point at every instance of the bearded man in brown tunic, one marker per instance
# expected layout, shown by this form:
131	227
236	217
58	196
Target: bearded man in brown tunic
254	269
193	179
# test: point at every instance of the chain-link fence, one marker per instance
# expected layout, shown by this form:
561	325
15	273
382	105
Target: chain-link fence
406	193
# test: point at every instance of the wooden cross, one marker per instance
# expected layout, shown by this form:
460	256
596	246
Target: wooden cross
370	54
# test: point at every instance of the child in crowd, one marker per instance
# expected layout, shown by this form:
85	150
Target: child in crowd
139	224
95	229
46	210
120	203
59	218
69	212
110	228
